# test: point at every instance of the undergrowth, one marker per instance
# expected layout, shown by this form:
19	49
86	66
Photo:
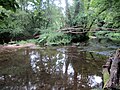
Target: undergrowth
53	37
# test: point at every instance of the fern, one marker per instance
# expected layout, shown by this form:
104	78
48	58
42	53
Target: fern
114	36
101	34
52	37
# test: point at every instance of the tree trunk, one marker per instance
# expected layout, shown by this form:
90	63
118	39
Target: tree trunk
113	67
67	13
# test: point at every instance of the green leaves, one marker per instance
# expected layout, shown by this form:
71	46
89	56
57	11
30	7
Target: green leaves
53	37
9	4
3	13
114	36
111	11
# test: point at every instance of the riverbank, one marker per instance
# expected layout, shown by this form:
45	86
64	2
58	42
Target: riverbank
16	46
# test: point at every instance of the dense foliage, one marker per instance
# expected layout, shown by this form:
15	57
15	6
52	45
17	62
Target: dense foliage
24	19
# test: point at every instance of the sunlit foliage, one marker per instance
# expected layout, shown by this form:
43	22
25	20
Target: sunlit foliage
27	18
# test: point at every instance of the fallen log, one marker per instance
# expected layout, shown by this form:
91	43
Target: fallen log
111	72
106	29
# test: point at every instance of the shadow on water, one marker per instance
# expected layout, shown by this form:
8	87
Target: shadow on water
58	68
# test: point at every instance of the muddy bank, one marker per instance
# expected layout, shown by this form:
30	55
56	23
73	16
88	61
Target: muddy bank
15	46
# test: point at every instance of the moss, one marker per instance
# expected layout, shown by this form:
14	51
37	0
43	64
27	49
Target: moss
105	76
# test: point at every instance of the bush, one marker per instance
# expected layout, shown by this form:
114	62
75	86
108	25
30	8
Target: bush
54	38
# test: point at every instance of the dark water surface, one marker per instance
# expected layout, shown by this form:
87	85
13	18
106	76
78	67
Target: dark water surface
52	68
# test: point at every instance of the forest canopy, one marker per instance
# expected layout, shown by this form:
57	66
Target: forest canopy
21	19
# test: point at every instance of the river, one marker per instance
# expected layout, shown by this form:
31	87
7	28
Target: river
54	68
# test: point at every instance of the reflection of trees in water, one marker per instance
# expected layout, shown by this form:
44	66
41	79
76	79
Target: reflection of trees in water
14	70
46	69
84	64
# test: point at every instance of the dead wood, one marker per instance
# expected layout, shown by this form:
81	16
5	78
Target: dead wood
81	29
113	67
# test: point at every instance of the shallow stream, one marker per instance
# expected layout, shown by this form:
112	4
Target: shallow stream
54	68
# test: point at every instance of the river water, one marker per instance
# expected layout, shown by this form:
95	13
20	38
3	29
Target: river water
54	68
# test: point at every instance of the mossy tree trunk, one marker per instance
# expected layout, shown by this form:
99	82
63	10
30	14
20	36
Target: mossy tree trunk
112	67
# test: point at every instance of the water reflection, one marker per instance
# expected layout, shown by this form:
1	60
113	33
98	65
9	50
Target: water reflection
63	68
